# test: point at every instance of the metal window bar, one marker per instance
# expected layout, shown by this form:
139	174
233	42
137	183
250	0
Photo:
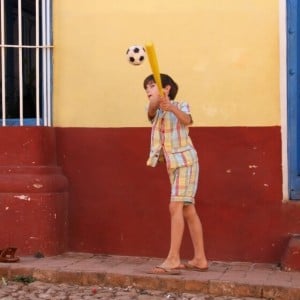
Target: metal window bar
3	65
46	62
20	63
46	49
49	64
37	61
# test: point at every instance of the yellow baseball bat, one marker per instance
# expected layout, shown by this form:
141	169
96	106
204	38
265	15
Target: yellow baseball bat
154	65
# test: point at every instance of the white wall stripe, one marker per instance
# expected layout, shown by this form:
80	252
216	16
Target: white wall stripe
283	96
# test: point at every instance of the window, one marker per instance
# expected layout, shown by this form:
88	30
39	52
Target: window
26	62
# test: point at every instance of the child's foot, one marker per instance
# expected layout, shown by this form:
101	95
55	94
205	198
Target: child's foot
169	264
172	266
198	265
159	270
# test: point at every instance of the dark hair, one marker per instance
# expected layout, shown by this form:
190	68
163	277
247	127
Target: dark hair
165	80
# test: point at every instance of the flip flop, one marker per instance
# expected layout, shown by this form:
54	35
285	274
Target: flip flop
195	268
164	271
7	255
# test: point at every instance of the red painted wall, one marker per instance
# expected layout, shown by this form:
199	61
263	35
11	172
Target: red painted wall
118	205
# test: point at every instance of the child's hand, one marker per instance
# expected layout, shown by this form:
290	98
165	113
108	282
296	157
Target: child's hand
164	103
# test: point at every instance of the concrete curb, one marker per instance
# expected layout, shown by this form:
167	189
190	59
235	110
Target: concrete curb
123	273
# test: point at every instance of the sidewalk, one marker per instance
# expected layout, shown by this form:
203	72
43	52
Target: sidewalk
238	279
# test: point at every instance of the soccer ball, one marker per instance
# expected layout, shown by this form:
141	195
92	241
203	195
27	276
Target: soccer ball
136	55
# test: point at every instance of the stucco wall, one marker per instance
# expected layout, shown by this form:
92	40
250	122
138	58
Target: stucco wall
224	54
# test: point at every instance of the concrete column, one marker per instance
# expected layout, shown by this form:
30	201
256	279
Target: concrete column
33	192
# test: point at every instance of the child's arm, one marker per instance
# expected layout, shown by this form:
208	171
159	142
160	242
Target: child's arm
184	118
152	108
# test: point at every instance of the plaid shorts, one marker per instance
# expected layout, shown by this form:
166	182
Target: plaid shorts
184	183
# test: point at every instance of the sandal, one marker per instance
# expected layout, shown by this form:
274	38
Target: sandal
195	268
159	270
7	255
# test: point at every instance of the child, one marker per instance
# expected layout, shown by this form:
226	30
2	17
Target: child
170	142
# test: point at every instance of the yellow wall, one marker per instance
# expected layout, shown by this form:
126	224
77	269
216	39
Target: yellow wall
223	53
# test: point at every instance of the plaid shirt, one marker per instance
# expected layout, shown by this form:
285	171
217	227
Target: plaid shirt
171	137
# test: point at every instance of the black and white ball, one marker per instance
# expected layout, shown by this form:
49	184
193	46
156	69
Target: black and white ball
136	55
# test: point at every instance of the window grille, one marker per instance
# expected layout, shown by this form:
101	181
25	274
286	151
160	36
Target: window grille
26	62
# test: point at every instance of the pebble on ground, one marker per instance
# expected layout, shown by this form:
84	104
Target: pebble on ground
37	290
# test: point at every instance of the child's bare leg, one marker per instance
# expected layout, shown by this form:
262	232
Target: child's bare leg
196	232
177	229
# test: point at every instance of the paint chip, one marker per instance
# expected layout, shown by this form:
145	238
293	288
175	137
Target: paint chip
6	208
23	197
228	171
253	166
37	185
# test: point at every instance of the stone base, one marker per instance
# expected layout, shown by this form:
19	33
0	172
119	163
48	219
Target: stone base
33	192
